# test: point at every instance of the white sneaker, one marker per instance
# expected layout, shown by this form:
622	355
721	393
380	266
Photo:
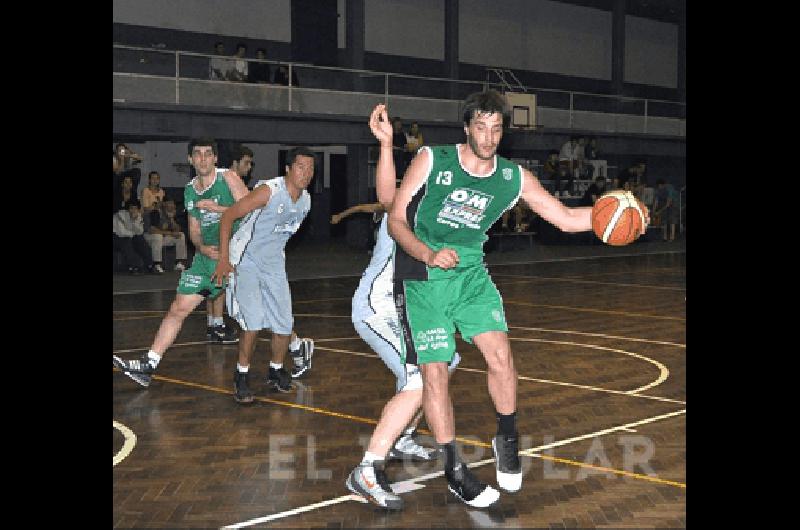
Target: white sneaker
157	268
407	448
180	267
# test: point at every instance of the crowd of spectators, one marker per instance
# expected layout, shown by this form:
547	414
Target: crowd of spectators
239	69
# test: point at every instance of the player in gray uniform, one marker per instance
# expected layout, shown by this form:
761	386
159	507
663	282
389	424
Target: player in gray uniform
257	294
375	319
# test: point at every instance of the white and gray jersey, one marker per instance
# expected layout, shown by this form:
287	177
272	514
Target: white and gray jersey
373	301
263	233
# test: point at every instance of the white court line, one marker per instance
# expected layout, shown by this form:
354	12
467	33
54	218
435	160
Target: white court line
569	332
547	260
630	393
573	280
532	379
127	447
663	371
408	484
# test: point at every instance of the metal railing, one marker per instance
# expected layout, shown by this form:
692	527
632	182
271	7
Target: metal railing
180	77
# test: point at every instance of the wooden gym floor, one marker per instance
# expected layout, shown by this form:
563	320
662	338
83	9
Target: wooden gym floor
599	345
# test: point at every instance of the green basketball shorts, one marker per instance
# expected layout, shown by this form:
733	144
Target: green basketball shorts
430	311
197	278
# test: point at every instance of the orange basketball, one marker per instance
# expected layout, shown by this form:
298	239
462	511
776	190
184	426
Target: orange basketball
618	218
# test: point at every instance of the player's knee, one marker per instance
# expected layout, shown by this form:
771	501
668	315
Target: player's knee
500	358
434	376
179	310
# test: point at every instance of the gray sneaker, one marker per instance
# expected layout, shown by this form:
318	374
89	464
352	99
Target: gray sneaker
370	482
406	448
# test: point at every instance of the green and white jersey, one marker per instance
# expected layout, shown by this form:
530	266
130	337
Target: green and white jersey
455	208
218	192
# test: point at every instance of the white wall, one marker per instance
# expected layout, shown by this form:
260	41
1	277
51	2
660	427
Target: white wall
651	52
255	19
405	27
536	35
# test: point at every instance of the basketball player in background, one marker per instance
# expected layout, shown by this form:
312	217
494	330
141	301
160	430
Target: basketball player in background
217	330
258	294
206	197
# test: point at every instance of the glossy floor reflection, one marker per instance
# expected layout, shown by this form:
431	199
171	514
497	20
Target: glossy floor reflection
599	345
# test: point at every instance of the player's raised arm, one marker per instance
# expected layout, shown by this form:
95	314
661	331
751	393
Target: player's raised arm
386	174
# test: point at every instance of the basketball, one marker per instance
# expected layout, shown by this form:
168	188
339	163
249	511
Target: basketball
618	218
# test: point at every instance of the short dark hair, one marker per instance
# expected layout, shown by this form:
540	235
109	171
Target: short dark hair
241	45
151	174
660	181
487	102
241	151
298	151
598	178
263	50
194	142
132	202
219	43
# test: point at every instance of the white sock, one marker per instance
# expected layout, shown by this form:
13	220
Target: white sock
409	431
210	320
242	369
218	321
370	458
276	366
154	358
295	343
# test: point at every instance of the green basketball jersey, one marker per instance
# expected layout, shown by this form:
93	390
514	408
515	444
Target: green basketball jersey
209	221
454	208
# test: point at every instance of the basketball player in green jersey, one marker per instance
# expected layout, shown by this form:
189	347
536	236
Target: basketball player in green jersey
449	198
206	197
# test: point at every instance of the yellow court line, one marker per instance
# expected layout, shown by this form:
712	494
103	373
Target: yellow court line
587	310
609	470
370	421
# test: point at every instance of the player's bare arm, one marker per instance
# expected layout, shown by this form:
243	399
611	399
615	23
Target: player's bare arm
551	209
399	229
196	238
374	207
258	198
386	173
238	190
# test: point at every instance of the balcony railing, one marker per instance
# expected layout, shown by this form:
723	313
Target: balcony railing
177	77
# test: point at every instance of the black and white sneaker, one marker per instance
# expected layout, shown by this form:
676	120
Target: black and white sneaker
507	463
302	358
241	390
140	370
280	379
221	334
468	489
